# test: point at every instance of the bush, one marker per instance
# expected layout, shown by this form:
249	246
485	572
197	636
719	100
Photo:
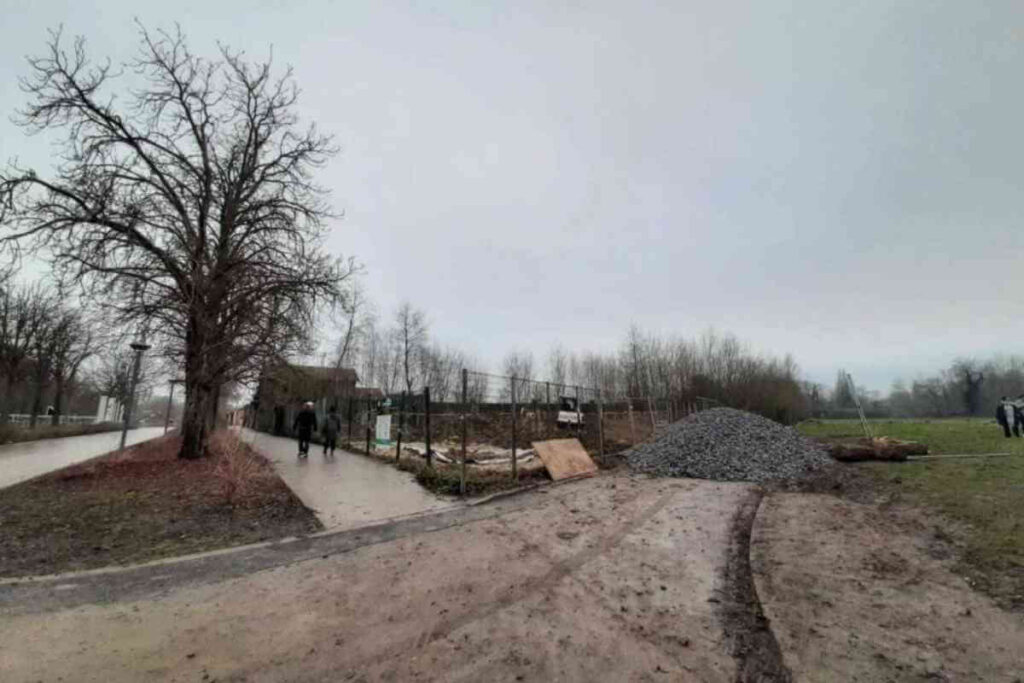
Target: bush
444	479
238	469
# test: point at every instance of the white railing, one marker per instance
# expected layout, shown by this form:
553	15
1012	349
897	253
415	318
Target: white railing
42	419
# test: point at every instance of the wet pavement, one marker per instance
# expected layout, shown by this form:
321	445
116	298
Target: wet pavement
23	461
350	490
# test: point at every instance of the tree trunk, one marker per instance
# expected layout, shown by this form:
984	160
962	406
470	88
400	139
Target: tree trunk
195	432
214	409
58	399
37	402
5	398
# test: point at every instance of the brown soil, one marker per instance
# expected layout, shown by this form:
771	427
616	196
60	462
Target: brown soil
605	579
140	505
868	591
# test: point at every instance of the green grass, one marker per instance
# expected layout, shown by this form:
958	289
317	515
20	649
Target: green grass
942	436
987	494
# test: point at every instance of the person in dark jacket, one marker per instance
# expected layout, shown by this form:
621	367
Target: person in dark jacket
1006	417
305	425
332	427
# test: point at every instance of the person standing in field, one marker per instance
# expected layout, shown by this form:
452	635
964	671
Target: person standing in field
332	427
1006	417
305	425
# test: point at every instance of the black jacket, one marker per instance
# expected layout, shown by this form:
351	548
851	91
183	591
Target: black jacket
305	422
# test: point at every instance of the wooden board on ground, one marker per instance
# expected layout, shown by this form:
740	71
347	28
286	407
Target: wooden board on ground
565	458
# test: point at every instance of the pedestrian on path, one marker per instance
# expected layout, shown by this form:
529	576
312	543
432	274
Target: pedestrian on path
332	427
305	425
1006	414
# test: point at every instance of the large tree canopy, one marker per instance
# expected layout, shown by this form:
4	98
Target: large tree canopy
185	199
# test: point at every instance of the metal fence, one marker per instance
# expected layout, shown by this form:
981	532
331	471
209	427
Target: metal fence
489	422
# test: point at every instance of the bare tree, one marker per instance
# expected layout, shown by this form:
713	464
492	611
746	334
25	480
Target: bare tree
411	334
22	317
354	315
519	366
188	201
42	351
558	362
74	342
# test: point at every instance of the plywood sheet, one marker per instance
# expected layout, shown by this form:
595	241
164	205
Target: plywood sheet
565	458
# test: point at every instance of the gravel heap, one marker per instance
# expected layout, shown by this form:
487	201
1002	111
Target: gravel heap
728	445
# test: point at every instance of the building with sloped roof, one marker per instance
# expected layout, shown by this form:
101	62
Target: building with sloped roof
284	388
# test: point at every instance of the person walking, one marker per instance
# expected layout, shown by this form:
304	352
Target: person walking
332	427
1006	417
304	426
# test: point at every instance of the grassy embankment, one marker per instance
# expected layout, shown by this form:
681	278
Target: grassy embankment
985	493
144	504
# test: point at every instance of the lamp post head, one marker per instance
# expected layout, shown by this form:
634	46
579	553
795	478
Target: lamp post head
140	346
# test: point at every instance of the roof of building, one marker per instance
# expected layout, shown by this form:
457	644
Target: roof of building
317	372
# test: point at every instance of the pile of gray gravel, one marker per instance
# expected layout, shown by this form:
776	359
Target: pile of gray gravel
728	445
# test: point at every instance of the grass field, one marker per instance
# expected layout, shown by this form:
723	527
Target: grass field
943	436
987	494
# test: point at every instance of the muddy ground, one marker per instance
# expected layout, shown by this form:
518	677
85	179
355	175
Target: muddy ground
610	579
860	591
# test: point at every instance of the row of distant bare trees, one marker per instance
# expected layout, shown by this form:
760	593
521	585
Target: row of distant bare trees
53	350
43	345
716	366
401	355
967	386
396	355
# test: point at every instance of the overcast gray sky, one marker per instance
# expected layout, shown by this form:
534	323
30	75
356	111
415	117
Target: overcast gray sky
842	181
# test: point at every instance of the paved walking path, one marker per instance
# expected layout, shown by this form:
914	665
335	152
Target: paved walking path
23	461
349	491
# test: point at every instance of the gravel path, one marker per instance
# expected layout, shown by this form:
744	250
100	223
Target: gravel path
729	445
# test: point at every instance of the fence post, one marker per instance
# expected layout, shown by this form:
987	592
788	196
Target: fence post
515	468
600	426
350	423
632	423
579	414
547	406
401	425
462	469
426	400
654	422
369	429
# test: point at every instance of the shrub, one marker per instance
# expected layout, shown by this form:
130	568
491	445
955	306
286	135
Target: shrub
237	468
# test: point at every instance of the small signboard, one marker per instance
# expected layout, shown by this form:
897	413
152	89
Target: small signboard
383	430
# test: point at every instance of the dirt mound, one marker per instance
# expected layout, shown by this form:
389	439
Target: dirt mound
729	445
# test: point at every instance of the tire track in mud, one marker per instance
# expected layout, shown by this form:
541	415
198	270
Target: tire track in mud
751	639
555	573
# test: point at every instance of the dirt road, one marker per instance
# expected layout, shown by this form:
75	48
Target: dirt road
606	579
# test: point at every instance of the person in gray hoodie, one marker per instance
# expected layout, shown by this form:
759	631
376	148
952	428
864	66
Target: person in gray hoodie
332	427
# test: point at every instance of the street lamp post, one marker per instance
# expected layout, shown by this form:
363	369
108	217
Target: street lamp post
170	400
139	347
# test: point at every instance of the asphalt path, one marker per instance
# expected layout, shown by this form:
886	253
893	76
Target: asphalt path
348	490
23	461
